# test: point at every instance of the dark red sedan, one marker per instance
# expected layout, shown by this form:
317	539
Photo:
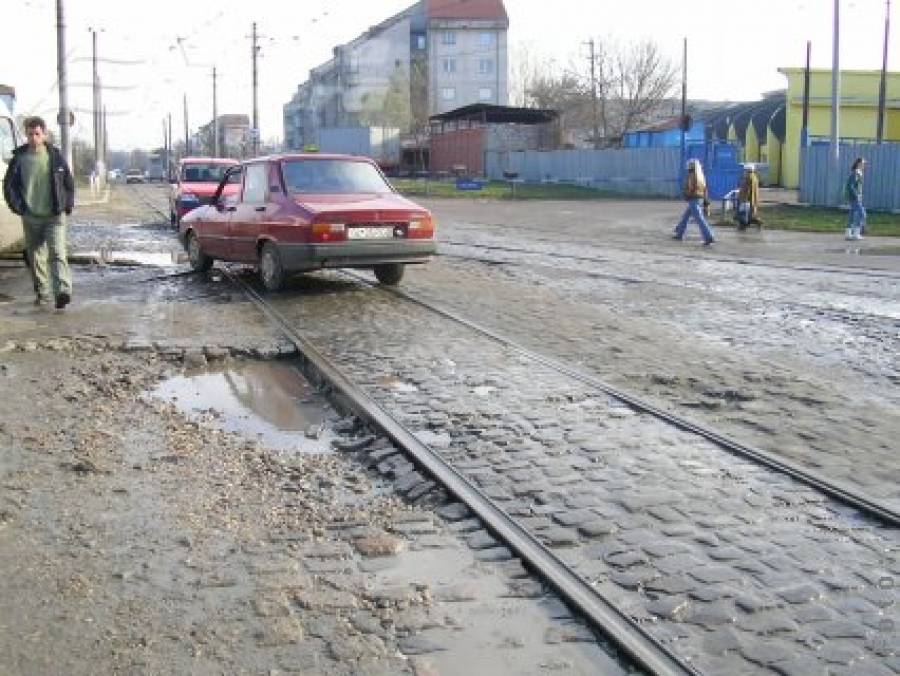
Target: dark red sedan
303	212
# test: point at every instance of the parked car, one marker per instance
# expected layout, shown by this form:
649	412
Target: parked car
301	212
135	176
194	182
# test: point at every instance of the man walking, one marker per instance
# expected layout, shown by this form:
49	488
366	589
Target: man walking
39	187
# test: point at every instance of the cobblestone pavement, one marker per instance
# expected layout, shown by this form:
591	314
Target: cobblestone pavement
787	342
739	569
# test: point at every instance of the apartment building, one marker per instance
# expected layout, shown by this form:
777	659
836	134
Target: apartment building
434	56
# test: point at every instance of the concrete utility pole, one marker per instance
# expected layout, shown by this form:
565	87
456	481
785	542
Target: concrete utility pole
187	138
593	59
99	156
683	123
882	85
254	50
835	183
215	117
64	116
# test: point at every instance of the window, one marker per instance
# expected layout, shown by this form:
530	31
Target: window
486	39
448	38
485	66
448	93
449	65
419	42
255	182
485	94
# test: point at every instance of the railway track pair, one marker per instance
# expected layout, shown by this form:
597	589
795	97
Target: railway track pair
644	566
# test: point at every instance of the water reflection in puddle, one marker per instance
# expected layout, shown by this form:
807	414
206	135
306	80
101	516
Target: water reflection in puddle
145	258
269	401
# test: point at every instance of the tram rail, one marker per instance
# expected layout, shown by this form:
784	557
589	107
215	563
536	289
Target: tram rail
603	613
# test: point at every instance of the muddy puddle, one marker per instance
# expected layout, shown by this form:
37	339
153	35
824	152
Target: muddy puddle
271	402
135	258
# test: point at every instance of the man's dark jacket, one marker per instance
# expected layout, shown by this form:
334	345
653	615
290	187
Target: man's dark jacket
63	197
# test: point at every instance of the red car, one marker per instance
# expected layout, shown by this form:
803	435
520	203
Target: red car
302	212
194	182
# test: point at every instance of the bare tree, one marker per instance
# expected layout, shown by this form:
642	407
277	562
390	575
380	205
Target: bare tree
640	82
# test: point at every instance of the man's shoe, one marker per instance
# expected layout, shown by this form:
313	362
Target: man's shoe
62	299
676	238
42	300
709	241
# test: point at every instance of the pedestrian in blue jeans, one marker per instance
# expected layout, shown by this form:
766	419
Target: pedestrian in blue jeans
856	219
697	196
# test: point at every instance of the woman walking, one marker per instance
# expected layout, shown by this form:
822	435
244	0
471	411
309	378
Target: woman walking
696	194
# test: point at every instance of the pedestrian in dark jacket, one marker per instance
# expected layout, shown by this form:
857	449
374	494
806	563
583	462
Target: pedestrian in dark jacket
39	187
856	219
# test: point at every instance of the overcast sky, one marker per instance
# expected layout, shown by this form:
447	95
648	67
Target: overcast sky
153	52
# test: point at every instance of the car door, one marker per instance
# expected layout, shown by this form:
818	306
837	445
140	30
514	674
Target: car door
213	219
249	213
11	235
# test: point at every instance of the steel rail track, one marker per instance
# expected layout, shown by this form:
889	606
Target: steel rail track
603	615
640	280
799	267
834	489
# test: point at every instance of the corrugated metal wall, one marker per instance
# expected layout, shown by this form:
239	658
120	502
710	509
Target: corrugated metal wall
821	187
655	172
652	172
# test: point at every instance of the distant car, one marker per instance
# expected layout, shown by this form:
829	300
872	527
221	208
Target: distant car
134	176
301	212
194	182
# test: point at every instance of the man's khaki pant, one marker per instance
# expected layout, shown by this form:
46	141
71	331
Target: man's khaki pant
45	239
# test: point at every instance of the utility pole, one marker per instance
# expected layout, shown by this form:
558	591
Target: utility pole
215	117
882	85
165	135
255	130
64	116
594	94
98	121
169	138
683	122
187	139
834	183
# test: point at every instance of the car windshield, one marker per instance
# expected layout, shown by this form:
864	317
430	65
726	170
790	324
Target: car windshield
203	173
312	176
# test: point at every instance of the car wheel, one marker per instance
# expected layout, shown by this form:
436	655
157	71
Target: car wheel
199	261
389	273
271	270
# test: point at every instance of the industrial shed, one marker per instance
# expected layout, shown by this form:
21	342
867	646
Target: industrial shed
461	137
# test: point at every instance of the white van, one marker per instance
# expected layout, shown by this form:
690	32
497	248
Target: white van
12	239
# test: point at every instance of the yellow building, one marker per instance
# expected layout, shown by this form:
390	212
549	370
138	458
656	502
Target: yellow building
858	115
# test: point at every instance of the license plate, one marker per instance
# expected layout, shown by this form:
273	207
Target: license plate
370	233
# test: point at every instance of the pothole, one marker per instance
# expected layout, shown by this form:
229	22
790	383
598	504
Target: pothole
270	401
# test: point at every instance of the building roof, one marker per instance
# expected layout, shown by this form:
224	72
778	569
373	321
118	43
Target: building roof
473	10
491	114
